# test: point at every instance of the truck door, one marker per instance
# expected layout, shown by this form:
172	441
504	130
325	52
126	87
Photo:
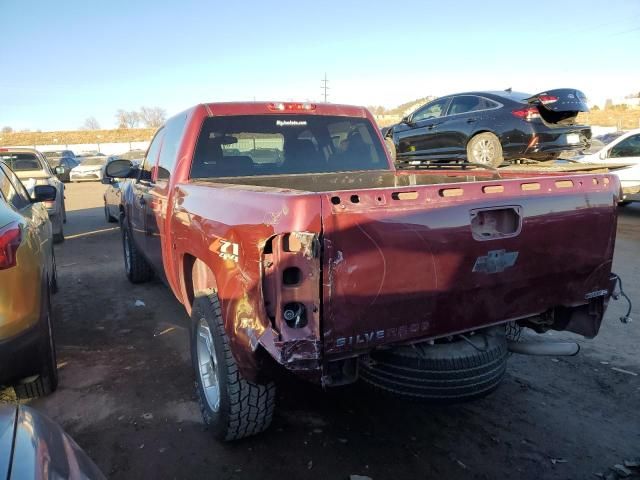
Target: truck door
138	212
158	194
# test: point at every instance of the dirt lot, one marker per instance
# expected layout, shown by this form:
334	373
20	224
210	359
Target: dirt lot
126	392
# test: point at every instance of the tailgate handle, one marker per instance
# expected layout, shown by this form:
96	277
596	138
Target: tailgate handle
496	222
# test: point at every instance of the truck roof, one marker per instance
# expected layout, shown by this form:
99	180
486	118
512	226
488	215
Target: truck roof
270	108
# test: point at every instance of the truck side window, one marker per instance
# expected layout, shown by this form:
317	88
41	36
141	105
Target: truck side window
173	131
150	158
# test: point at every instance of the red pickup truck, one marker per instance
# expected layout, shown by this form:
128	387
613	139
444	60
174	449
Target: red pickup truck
293	242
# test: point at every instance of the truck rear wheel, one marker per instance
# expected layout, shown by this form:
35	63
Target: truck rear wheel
232	407
452	371
135	265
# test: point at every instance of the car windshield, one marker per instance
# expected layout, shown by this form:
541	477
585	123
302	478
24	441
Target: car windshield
20	162
95	161
280	144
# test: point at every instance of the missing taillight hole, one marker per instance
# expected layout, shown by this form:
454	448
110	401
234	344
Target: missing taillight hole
355	199
295	315
292	276
291	243
335	200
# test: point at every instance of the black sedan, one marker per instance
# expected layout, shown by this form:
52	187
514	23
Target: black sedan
491	127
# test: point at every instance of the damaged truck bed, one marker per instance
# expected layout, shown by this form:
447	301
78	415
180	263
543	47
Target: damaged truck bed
313	253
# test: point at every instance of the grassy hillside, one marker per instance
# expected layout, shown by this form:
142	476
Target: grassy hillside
77	137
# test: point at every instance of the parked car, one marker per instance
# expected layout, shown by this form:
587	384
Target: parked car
59	154
32	168
136	155
33	447
617	148
112	197
90	169
491	127
331	264
27	278
65	164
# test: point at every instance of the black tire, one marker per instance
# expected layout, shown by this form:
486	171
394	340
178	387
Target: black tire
58	229
485	148
64	213
54	274
107	216
46	381
244	408
624	203
446	372
135	265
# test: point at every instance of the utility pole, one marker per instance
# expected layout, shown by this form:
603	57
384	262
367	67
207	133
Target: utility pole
325	87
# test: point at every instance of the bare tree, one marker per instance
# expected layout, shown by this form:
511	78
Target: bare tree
127	119
91	124
152	117
7	130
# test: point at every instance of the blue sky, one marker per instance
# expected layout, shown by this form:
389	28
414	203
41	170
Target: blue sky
65	61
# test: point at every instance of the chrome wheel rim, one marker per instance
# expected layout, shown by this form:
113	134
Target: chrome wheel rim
207	365
127	251
484	152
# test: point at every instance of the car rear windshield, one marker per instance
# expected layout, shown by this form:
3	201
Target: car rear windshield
58	154
253	145
20	162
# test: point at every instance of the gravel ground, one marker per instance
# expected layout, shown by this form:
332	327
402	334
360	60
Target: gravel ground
126	391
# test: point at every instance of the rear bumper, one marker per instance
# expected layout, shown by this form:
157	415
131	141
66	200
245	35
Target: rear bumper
538	138
19	355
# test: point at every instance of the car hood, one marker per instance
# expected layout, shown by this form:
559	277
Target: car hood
7	428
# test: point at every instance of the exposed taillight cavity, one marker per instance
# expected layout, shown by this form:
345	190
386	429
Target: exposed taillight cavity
10	239
291	107
527	113
546	99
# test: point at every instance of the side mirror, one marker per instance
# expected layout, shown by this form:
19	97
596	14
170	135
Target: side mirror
59	170
120	169
406	119
603	154
107	180
44	193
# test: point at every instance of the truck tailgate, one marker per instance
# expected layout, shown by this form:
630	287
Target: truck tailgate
402	264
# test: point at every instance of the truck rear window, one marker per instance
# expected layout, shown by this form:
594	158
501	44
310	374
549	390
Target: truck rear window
250	145
21	161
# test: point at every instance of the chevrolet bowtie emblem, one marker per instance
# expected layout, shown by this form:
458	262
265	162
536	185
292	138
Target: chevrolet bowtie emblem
495	261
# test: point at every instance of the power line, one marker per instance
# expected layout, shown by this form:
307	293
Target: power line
325	87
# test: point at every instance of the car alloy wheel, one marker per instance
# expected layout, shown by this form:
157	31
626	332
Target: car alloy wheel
484	152
208	365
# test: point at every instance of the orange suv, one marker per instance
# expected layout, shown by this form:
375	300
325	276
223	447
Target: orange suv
27	279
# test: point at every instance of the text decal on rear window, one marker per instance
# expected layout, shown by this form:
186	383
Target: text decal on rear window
291	123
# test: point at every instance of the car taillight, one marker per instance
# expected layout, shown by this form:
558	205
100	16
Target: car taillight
545	99
10	239
49	204
527	113
291	107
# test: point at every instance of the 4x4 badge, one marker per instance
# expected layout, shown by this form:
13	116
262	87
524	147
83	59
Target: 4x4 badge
495	261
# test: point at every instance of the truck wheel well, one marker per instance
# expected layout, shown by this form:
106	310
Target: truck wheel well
197	277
